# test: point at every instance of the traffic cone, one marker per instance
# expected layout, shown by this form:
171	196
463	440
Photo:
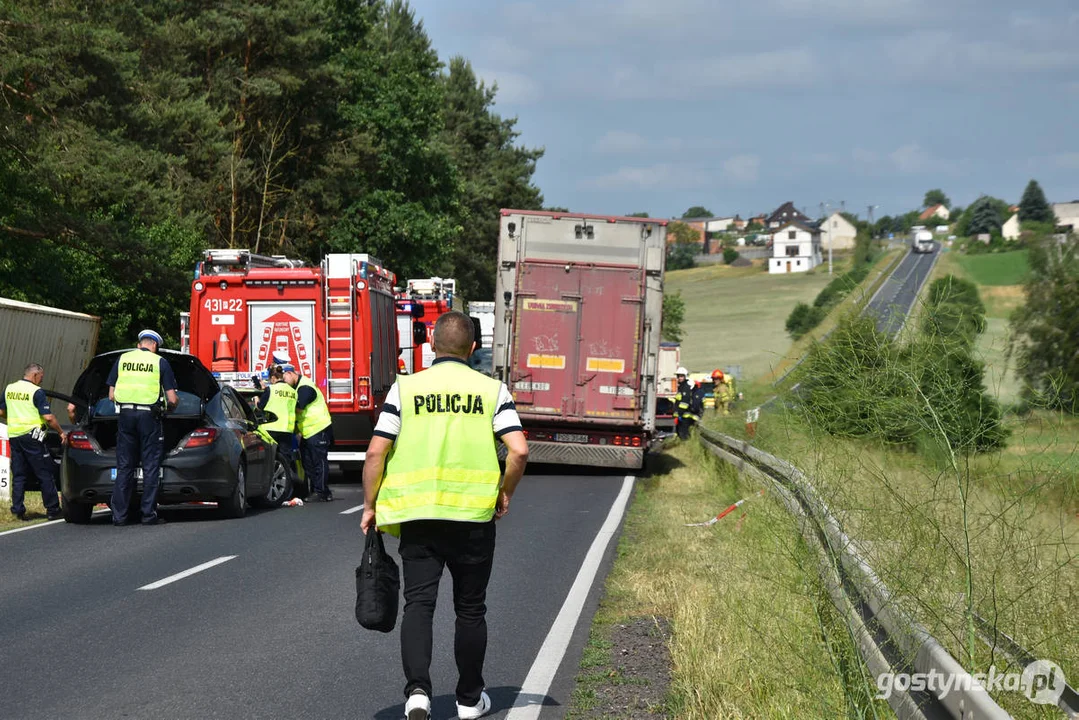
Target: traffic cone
224	357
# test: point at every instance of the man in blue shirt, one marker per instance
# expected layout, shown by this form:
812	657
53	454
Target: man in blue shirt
26	409
136	383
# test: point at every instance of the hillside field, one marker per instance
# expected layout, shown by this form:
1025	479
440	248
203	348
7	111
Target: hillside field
736	316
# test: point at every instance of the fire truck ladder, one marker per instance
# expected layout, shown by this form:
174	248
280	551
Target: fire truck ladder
340	367
226	258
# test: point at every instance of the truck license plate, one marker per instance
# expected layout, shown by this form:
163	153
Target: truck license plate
570	438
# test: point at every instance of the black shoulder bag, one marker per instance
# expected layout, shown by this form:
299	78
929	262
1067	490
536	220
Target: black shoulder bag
377	586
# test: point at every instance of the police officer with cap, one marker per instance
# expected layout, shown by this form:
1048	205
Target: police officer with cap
135	384
27	411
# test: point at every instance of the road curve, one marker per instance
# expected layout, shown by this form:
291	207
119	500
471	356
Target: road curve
270	632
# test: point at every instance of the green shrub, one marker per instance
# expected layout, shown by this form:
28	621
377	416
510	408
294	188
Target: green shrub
802	319
730	255
931	392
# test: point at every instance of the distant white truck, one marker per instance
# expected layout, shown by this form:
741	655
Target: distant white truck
921	240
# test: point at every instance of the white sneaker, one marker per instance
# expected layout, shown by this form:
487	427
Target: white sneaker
418	706
466	712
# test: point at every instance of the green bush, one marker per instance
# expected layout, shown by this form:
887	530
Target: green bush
803	319
730	255
862	384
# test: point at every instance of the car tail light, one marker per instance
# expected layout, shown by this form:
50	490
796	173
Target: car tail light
636	442
363	387
617	439
80	440
202	437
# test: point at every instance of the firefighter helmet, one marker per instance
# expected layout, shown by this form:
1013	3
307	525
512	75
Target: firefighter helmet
681	371
717	375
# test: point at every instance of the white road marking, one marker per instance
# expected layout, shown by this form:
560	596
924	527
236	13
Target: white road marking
356	509
46	524
187	573
533	691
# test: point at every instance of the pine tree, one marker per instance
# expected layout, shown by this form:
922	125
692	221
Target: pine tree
1034	207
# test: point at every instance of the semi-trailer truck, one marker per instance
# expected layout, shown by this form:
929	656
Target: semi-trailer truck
578	308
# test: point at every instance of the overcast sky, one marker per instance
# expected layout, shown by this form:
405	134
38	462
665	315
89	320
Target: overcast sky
656	105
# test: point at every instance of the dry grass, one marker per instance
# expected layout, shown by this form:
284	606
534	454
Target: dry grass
742	596
736	316
907	512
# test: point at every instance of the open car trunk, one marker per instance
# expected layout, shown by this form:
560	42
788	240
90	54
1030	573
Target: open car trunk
176	428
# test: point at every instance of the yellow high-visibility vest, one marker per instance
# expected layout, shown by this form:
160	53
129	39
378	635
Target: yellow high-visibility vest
282	403
444	464
316	416
138	378
22	415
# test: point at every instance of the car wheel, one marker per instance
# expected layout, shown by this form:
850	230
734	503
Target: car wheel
235	506
280	483
77	513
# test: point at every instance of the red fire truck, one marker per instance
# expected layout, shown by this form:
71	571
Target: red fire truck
335	322
423	301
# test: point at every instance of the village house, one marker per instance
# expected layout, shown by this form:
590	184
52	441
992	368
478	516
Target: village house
784	214
838	233
932	211
796	247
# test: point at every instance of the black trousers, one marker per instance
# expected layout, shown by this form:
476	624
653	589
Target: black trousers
31	457
468	550
139	439
315	454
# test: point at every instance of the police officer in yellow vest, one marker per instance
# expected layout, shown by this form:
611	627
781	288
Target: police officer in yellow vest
27	411
136	382
432	476
315	427
279	398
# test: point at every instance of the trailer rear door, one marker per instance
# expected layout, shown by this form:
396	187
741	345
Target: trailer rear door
610	331
545	339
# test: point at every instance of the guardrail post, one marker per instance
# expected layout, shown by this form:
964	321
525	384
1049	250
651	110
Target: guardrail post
5	466
752	416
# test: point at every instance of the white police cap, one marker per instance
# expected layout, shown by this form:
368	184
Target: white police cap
151	335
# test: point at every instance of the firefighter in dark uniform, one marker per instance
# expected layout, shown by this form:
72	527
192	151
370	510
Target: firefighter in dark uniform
135	384
314	425
685	404
26	409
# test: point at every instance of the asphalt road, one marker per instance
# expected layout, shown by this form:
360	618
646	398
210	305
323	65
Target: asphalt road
269	631
895	298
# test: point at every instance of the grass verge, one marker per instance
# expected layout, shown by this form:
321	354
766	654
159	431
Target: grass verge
752	635
1001	529
35	511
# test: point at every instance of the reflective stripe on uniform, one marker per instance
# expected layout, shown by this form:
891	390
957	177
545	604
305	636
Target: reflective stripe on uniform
138	378
22	415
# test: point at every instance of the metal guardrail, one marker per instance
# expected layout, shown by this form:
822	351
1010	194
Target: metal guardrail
888	639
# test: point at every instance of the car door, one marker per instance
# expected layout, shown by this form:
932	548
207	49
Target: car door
256	450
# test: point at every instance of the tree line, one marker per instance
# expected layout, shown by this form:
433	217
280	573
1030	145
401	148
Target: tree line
135	134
